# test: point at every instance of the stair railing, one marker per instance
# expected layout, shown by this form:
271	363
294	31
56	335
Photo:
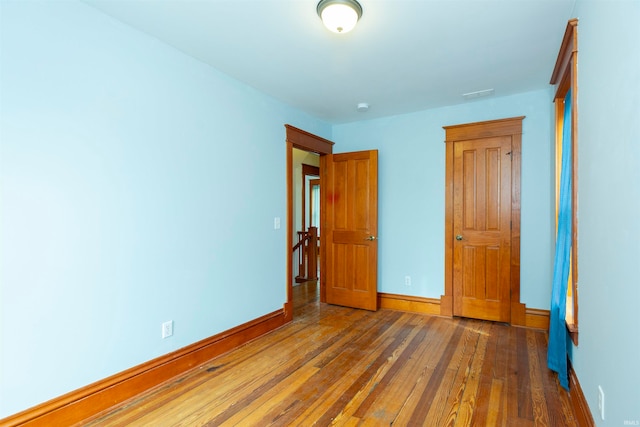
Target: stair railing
307	248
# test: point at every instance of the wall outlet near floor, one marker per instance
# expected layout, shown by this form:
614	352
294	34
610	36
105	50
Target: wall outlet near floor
407	280
167	329
601	402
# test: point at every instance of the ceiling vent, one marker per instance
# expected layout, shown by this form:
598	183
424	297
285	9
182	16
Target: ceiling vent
478	94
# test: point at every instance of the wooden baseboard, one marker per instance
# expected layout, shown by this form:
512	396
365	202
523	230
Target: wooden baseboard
537	318
446	305
518	314
88	401
533	317
409	303
579	402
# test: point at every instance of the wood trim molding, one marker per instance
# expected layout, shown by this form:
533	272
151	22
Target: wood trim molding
493	128
568	48
409	303
579	402
490	128
88	401
307	141
536	318
565	78
307	170
288	307
518	309
302	140
310	170
323	236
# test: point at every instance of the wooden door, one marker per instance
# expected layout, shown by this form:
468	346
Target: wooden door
482	228
350	220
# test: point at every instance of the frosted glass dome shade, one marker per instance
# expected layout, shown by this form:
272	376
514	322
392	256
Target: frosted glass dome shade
339	16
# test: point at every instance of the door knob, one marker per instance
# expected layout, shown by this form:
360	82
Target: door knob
370	238
459	237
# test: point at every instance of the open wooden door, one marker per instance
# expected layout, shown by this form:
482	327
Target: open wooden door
350	220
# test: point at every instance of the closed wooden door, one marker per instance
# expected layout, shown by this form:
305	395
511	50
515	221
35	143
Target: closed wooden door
482	228
350	227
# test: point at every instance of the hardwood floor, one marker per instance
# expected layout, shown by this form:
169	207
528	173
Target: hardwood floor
339	366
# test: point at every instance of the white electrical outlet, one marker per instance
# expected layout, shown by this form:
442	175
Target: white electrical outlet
167	329
601	402
407	280
276	223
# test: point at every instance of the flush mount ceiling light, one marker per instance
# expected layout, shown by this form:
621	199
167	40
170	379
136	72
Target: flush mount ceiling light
339	16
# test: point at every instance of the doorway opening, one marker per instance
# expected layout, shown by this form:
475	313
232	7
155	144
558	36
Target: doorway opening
306	169
349	219
310	148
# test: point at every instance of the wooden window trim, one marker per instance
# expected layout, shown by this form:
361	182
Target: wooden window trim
307	170
565	77
312	207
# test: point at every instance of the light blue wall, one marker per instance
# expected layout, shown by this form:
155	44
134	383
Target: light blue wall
411	191
609	208
135	182
133	177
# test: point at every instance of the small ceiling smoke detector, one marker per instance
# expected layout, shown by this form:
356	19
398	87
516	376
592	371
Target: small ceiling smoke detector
362	107
478	94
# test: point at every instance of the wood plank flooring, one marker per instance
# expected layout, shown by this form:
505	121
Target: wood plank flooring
344	367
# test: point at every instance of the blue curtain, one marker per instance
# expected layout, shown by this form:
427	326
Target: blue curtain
557	351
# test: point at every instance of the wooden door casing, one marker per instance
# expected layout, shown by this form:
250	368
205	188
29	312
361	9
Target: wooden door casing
511	127
350	227
300	139
482	225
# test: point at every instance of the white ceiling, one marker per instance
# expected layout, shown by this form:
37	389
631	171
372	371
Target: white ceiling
403	56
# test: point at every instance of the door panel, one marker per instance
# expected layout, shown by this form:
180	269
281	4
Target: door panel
350	219
482	226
